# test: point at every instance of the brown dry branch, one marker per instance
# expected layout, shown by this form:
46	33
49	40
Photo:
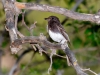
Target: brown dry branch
10	23
30	29
12	10
39	40
71	14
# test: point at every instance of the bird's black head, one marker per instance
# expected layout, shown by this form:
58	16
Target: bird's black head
52	19
53	22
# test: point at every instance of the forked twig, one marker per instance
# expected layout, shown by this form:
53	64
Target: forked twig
90	71
51	55
30	29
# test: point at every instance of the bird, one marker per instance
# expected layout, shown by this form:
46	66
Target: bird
57	32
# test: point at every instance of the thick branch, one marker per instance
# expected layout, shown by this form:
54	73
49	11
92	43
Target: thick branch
49	45
35	40
74	15
10	24
11	12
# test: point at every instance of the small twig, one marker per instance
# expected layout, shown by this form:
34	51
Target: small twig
51	55
77	4
16	19
90	71
33	25
54	54
68	62
30	29
20	34
60	56
40	49
31	33
23	21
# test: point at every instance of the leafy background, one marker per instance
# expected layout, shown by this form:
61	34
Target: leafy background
84	36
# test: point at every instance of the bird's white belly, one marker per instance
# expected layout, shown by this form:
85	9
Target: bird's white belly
56	36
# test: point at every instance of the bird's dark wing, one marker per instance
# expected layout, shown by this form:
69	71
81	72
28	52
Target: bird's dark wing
63	32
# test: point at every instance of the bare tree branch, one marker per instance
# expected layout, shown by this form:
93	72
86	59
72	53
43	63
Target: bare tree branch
74	15
10	24
12	8
46	43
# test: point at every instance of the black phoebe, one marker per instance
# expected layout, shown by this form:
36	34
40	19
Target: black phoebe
57	32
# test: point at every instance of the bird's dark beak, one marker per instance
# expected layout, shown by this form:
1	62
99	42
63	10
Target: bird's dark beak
47	19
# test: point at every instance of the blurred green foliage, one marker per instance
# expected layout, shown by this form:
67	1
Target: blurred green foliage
85	36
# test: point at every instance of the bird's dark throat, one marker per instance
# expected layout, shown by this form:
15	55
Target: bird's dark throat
53	26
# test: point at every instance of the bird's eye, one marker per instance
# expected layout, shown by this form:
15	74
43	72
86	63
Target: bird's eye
52	18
